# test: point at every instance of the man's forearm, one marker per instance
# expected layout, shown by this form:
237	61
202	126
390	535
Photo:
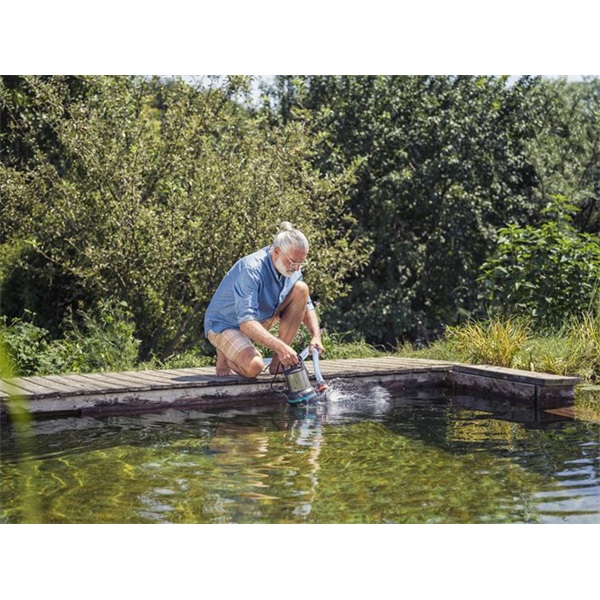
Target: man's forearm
258	334
312	323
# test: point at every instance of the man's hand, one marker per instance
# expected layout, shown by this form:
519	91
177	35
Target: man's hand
315	342
288	357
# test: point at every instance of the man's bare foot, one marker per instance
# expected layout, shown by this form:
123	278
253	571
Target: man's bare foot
224	372
274	366
223	369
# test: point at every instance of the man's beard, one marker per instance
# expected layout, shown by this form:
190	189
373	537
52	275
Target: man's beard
281	268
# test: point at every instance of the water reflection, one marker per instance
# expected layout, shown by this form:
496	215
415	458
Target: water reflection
361	455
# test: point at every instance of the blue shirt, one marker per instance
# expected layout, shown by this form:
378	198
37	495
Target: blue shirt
250	291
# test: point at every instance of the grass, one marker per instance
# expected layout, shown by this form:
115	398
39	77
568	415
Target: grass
493	342
513	343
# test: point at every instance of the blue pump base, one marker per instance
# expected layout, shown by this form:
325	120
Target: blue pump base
303	396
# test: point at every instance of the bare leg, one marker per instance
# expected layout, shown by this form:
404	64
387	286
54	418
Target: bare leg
248	363
291	316
223	368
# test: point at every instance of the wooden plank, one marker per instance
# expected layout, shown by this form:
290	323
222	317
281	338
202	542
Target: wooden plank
154	379
96	381
188	385
563	411
499	386
62	383
31	385
356	367
10	389
178	378
532	377
206	372
197	370
183	378
152	375
174	374
126	382
581	414
412	365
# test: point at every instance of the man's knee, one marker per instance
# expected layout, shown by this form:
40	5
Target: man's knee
250	363
300	290
296	299
254	368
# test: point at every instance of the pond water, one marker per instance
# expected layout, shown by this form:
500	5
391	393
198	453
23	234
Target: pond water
364	455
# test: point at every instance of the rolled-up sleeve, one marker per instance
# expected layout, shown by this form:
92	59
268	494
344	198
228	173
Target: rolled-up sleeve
246	293
309	304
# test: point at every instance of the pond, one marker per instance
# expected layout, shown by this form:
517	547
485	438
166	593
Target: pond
364	455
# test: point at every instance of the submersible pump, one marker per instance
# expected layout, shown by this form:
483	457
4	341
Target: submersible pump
298	384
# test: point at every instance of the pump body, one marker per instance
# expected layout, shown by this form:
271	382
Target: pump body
298	383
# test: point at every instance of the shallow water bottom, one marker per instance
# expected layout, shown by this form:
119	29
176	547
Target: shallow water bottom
362	455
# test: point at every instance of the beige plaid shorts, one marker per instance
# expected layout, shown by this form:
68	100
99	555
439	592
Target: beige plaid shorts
232	342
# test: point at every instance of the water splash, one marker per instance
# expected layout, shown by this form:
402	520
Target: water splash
346	391
350	400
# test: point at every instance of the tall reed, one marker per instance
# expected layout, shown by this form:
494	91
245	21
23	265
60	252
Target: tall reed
583	343
495	341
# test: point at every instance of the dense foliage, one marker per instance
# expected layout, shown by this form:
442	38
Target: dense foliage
123	201
548	273
565	151
445	165
105	340
442	165
147	192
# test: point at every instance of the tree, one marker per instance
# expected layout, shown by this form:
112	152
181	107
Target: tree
566	150
441	165
152	189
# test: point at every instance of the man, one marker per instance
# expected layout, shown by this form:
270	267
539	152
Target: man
260	290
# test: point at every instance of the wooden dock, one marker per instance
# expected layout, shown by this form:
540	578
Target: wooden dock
157	389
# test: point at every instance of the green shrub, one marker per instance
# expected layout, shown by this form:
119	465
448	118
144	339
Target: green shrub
546	273
26	345
156	190
104	341
341	345
101	341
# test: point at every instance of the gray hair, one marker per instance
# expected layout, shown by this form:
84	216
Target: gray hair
289	238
